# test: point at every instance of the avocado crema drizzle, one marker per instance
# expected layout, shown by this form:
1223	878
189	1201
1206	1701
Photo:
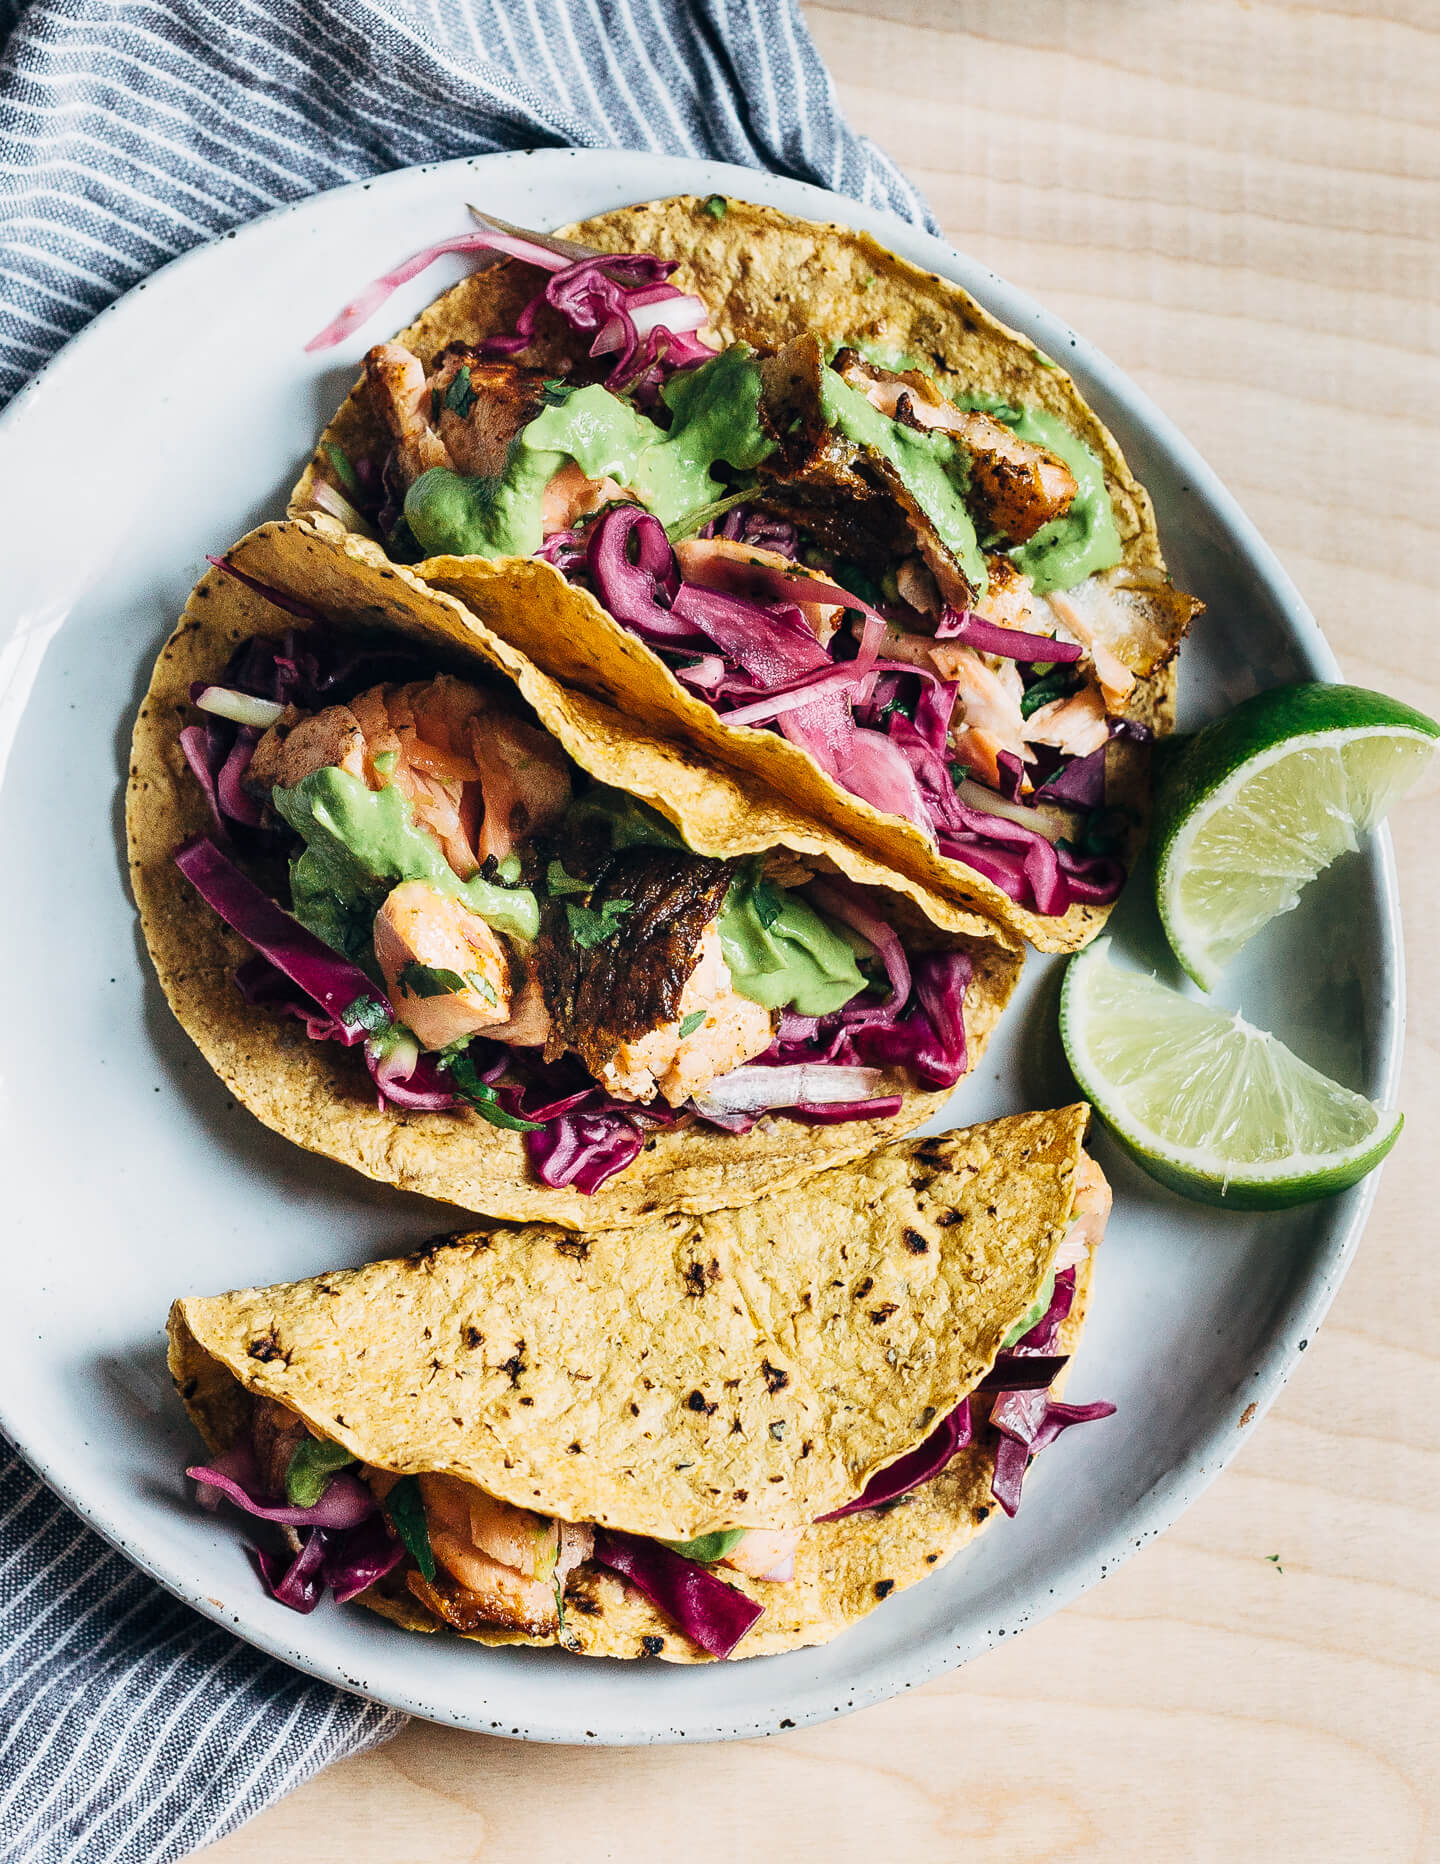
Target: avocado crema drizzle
714	421
359	843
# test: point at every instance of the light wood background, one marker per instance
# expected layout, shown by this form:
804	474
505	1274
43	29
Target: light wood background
1239	200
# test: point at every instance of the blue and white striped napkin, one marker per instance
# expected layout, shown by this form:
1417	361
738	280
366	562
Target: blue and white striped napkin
131	1729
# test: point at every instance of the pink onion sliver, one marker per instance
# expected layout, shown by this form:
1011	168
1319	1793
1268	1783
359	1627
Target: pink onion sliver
364	306
785	1570
836	679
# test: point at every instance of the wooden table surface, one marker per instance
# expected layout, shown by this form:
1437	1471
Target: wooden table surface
1238	200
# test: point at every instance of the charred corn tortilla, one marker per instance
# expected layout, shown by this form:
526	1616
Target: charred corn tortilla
815	1318
769	277
318	1094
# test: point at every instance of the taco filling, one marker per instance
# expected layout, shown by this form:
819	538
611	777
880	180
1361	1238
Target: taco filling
501	933
926	594
833	1461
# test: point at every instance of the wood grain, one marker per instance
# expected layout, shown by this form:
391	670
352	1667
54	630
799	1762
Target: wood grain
1240	203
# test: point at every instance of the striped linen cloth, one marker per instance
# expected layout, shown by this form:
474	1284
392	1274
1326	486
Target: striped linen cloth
131	1729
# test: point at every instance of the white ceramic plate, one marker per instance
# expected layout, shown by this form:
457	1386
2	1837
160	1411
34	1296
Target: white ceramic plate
173	424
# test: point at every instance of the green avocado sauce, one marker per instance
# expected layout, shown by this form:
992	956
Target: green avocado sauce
780	951
1033	1315
934	468
782	954
359	843
1083	539
716	416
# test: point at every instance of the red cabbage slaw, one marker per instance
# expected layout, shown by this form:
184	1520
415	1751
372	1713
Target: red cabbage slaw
587	1136
757	662
622	300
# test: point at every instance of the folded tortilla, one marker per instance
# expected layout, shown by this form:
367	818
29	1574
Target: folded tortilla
768	278
824	1329
319	1094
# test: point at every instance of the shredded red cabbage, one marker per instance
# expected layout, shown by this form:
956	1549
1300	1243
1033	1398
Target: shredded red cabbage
907	1472
358	1559
989	637
623	301
332	981
838	1112
1080	780
584	1149
1027	1421
707	1611
360	309
1042	1337
299	1581
1015	1372
345	1503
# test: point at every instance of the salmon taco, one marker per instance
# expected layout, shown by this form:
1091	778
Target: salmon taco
429	914
731	1434
777	492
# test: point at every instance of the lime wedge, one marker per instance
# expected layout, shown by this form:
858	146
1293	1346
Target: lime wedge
1257	804
1217	1110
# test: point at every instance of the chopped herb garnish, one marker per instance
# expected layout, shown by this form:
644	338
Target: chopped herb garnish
715	205
312	1463
460	397
366	1013
958	774
480	1095
555	390
707	1548
689	1024
407	1515
1274	1559
429	980
589	929
344	471
767	901
560	883
1055	684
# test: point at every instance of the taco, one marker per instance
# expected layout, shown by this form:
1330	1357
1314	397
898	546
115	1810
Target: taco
767	486
737	1432
428	914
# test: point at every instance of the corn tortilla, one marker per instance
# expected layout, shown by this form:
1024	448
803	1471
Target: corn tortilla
745	1305
318	1094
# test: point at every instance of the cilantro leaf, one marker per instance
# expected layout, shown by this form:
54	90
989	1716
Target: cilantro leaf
558	882
460	397
958	774
366	1013
589	929
480	1095
767	901
428	980
312	1463
689	1024
407	1514
1055	684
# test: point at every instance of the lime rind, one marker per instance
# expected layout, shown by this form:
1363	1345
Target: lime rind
1265	799
1207	1104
